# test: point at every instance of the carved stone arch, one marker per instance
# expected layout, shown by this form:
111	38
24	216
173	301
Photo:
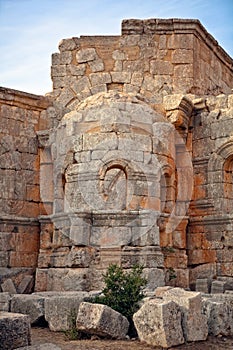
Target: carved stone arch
113	183
220	176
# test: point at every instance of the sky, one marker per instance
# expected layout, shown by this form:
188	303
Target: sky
30	30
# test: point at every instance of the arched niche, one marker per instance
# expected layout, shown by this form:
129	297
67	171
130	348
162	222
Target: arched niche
220	176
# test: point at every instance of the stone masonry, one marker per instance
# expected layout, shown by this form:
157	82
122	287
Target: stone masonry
128	160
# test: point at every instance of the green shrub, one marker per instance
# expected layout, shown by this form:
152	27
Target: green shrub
123	291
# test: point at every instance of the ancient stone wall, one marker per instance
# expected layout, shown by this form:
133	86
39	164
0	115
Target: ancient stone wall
152	57
210	231
20	203
129	160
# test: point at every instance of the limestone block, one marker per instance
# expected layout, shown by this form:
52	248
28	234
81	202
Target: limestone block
30	305
100	78
81	84
96	65
203	285
101	320
121	77
8	286
67	44
158	323
219	311
5	299
194	323
161	67
78	70
99	88
61	310
26	285
15	330
5	238
68	279
218	287
159	291
58	71
182	56
86	55
155	278
4	259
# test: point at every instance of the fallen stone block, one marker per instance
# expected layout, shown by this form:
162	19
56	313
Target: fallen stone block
26	285
15	330
8	286
46	346
194	322
61	310
101	320
30	305
5	299
158	323
219	310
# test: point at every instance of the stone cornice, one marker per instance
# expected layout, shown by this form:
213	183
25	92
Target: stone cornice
176	26
23	99
18	220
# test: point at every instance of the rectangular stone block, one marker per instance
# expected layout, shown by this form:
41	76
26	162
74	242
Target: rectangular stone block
101	320
203	285
158	323
4	259
219	311
15	330
26	285
194	323
8	286
61	311
5	299
31	305
218	287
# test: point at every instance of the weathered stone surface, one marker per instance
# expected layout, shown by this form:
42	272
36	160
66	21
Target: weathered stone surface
218	287
61	311
101	320
203	285
160	291
86	55
26	285
194	322
5	299
8	286
131	156
219	310
30	305
15	331
158	323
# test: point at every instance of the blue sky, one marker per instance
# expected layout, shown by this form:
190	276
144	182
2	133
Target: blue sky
30	30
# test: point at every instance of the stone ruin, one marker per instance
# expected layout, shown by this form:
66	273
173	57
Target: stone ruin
128	160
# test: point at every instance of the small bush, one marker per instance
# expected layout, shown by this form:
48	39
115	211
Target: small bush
123	291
